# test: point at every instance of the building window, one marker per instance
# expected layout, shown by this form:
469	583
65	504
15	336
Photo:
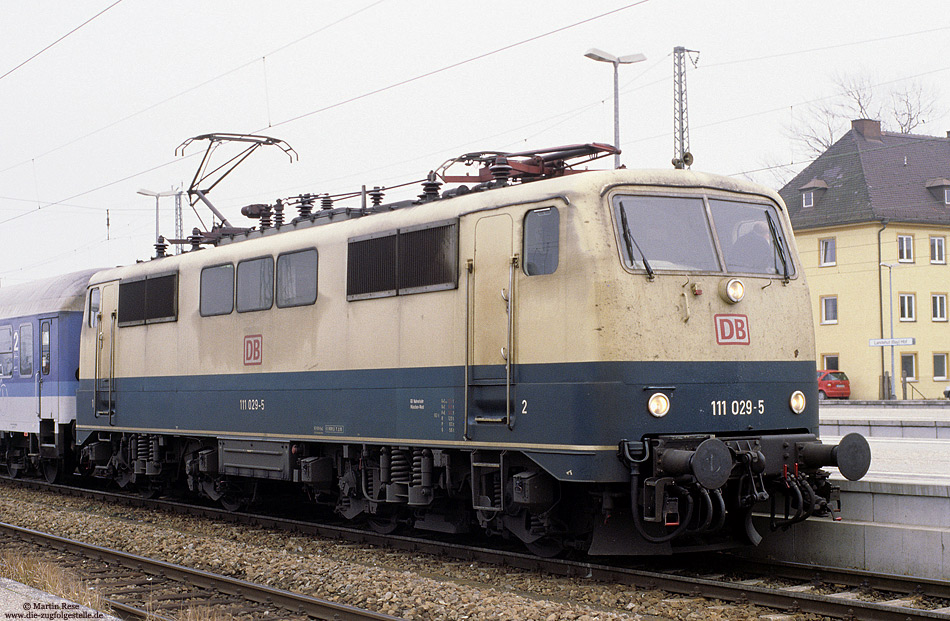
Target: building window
909	366
827	250
541	241
255	284
829	309
808	199
907	304
937	253
297	278
905	248
217	290
830	362
940	366
946	196
938	303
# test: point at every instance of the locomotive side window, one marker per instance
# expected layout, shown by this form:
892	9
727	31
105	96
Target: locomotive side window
751	238
95	301
217	290
6	351
666	233
26	350
255	284
297	278
540	250
153	299
411	260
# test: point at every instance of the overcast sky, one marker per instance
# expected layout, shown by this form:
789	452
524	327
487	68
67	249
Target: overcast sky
376	92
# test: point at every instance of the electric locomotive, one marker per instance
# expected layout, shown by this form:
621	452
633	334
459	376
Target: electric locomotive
616	361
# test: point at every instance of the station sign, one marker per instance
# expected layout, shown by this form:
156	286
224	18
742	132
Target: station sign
891	342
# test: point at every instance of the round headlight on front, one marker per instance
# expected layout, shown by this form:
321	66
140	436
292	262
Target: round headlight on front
797	402
659	405
732	290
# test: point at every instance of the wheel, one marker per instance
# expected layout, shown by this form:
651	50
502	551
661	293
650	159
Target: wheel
383	524
14	470
52	470
233	502
821	395
546	547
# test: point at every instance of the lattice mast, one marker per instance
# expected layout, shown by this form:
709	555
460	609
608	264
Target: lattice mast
682	157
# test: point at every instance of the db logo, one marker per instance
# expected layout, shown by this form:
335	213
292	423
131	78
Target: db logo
253	349
732	329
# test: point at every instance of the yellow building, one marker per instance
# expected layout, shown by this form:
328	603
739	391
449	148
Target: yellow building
872	217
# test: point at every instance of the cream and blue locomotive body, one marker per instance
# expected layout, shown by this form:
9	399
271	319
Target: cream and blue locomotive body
616	361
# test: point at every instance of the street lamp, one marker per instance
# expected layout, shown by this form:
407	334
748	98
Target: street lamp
890	294
602	56
157	196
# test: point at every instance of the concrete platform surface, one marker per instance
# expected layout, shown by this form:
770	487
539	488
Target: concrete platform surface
886	420
18	601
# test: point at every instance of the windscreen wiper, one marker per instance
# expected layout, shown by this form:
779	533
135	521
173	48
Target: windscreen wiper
778	244
631	242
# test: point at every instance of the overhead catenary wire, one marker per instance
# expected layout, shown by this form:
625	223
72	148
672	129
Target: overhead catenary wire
76	29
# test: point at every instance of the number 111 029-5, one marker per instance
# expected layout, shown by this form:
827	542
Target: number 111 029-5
737	407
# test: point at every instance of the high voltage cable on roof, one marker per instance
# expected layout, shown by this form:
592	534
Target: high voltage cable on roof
60	39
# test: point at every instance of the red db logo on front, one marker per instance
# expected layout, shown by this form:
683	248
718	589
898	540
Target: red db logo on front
253	349
732	329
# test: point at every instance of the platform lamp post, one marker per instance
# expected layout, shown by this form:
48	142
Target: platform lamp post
158	196
602	56
890	294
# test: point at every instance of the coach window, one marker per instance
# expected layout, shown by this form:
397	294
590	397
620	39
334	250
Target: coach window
6	351
26	350
297	278
95	301
255	284
217	290
540	250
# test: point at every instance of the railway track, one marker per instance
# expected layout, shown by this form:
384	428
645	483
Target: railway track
831	592
144	588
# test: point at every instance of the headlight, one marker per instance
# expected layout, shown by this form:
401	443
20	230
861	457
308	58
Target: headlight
797	402
659	405
732	290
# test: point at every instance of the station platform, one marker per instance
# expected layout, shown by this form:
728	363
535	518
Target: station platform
883	419
18	601
896	519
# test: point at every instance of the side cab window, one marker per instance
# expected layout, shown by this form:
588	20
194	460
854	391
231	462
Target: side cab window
540	247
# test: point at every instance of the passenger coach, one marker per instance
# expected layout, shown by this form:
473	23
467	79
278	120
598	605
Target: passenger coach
39	372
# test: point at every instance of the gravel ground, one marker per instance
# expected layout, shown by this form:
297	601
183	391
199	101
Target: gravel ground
402	584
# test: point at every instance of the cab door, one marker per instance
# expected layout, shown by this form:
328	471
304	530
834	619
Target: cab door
491	327
107	327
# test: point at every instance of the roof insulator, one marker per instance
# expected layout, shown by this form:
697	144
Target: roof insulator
306	205
279	213
376	196
326	202
430	188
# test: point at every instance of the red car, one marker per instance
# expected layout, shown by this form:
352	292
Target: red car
833	385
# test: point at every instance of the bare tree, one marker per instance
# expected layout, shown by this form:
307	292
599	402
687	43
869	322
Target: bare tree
859	97
912	106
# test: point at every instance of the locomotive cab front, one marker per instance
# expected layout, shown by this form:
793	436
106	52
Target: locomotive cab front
715	335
